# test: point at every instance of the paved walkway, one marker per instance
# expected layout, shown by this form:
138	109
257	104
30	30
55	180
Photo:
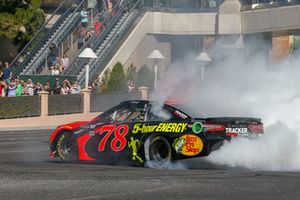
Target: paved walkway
49	122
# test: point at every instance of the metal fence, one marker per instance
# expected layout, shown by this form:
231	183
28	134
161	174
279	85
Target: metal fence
103	101
24	106
65	104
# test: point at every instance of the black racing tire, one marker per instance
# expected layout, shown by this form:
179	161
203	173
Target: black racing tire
67	148
158	152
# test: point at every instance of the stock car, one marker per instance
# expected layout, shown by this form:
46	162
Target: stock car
146	133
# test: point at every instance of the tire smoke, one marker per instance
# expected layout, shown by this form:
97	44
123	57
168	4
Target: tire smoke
240	87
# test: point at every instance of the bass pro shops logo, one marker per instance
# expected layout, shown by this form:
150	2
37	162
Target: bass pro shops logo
188	145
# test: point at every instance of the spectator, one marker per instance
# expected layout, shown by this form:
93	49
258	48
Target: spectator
53	54
38	88
1	71
80	40
91	86
87	36
109	6
75	89
57	87
65	61
65	89
54	71
3	88
30	87
47	87
19	89
131	86
99	27
25	91
84	18
6	73
11	90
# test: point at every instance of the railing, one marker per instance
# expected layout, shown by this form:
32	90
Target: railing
103	101
72	15
183	6
95	41
39	38
97	65
25	106
263	4
65	104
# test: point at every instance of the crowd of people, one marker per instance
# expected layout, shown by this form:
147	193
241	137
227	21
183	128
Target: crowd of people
56	63
17	87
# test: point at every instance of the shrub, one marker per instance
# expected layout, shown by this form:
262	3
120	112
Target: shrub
117	79
145	77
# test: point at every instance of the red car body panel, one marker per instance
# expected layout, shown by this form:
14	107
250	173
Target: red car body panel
67	127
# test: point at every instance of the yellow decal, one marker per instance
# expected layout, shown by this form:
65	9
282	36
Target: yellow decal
133	144
161	127
189	145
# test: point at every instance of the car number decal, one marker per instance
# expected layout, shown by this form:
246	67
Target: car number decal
119	141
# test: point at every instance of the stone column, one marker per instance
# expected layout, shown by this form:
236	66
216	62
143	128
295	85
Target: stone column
86	93
44	102
229	17
144	92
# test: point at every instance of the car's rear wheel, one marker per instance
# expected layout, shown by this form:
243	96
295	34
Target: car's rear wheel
67	147
158	152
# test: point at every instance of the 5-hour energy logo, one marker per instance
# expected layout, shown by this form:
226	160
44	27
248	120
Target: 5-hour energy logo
161	127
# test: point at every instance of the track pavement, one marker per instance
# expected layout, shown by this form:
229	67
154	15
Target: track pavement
27	173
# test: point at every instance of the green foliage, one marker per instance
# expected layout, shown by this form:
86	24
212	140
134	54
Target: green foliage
131	73
145	77
117	79
104	80
20	20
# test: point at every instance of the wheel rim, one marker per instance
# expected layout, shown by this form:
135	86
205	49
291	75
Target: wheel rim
66	147
160	151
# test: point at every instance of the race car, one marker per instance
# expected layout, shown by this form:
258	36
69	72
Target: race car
147	133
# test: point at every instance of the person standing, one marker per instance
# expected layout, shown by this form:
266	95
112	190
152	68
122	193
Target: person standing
84	18
65	61
6	73
11	90
19	87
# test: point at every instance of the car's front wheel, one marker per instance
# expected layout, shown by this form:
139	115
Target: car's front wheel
158	152
67	147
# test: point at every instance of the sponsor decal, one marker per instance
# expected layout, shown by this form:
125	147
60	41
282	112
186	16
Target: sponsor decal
161	127
133	144
188	145
180	114
197	127
238	131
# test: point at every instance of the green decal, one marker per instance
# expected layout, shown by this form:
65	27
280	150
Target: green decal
133	144
197	127
178	144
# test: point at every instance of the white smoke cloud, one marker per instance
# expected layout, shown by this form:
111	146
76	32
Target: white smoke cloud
238	86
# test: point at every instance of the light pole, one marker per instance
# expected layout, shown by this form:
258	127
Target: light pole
204	59
155	55
87	53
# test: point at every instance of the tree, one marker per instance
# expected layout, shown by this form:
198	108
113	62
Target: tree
145	77
117	79
104	81
131	73
20	20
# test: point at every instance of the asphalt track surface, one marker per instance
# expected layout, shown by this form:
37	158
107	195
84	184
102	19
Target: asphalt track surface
27	173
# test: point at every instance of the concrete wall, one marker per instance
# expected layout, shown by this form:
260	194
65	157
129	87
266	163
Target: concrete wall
145	47
184	23
271	19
